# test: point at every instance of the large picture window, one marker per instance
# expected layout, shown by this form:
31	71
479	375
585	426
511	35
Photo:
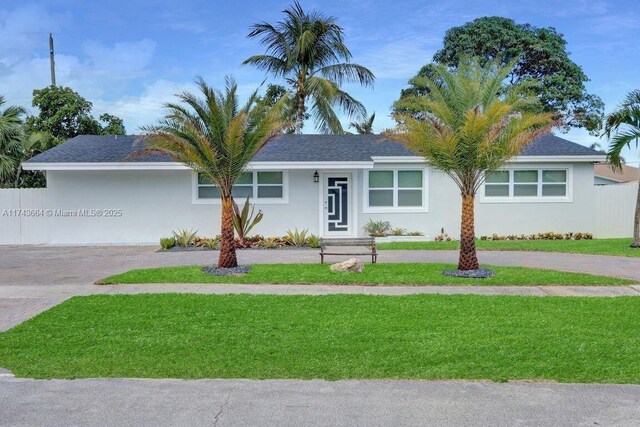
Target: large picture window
400	189
527	183
260	185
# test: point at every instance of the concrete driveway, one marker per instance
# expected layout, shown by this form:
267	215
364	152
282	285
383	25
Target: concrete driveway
65	265
127	402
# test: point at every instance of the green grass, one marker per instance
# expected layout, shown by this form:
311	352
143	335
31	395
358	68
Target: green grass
616	247
566	339
378	274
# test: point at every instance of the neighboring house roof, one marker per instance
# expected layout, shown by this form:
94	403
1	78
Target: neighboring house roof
285	148
627	174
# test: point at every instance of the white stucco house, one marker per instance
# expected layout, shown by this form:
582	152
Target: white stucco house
328	184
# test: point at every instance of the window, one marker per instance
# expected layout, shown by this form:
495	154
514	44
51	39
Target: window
527	183
395	189
268	185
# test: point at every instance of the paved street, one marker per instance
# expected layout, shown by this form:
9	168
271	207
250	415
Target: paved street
125	402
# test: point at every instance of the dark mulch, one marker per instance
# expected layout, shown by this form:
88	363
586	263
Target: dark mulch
481	273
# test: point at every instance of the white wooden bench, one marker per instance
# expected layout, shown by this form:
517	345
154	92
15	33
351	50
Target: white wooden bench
367	246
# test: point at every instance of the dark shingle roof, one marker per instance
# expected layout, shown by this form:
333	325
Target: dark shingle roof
286	148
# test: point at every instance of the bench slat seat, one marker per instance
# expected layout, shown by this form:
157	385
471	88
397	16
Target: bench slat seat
367	244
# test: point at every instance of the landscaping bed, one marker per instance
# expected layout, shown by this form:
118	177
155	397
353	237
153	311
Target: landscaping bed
614	247
330	337
374	274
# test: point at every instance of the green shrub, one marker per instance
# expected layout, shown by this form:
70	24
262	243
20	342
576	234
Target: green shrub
415	233
167	242
208	242
244	220
185	238
377	228
296	238
398	231
313	241
271	243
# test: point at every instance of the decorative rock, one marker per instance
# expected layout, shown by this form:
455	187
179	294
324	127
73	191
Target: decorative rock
5	373
216	271
352	265
481	273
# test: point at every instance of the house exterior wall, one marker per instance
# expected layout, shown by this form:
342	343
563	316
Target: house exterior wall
154	203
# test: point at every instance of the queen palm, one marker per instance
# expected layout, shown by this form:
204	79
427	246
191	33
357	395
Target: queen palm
624	125
10	137
215	137
308	51
470	125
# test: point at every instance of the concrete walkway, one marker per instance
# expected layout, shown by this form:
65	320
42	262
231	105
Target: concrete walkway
129	402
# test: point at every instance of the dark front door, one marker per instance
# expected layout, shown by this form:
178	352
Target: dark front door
336	205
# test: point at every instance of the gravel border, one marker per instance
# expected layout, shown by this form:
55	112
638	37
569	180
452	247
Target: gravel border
481	273
240	270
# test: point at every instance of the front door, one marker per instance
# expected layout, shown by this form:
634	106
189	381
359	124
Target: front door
337	204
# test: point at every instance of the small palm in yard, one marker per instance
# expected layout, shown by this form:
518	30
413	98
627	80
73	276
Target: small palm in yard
471	124
624	125
216	137
307	49
10	138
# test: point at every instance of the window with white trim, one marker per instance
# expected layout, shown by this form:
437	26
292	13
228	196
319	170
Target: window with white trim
527	183
397	188
268	185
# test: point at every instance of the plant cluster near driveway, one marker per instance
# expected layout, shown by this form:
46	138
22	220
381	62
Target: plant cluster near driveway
614	247
374	274
331	337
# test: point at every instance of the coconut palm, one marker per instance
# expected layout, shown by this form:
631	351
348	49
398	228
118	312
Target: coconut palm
365	126
215	137
471	124
307	49
624	125
28	146
10	135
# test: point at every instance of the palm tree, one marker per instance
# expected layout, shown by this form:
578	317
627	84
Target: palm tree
364	127
28	146
215	137
308	51
10	135
471	124
624	124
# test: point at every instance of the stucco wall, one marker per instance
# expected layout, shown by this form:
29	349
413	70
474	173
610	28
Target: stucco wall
154	203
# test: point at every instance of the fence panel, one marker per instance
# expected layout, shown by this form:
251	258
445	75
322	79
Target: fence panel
22	216
614	209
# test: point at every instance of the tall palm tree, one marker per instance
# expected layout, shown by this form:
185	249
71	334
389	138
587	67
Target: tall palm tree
10	135
215	137
308	51
624	125
471	124
28	146
364	127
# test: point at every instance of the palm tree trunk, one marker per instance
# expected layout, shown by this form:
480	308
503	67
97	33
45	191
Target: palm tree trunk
300	106
636	224
227	258
468	259
18	173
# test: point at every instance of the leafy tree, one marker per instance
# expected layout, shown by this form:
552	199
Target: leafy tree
216	137
10	135
470	124
64	114
624	125
275	93
543	63
308	51
365	126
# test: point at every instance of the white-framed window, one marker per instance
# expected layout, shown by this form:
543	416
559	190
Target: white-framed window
528	184
393	190
260	186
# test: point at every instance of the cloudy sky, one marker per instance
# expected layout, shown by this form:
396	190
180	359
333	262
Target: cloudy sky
127	57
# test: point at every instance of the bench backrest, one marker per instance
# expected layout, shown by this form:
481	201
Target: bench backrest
359	241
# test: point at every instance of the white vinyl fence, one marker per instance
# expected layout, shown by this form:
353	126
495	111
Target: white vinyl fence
25	213
615	209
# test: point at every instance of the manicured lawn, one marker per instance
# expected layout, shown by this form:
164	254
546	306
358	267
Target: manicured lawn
617	247
332	337
378	274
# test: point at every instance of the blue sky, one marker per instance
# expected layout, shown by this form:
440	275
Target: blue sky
128	57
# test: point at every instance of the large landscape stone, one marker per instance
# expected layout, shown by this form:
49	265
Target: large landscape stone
352	265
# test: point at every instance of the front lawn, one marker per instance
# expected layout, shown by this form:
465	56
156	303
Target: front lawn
331	337
616	247
374	274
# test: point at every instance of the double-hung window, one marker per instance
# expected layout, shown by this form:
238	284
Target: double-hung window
267	186
399	189
522	184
